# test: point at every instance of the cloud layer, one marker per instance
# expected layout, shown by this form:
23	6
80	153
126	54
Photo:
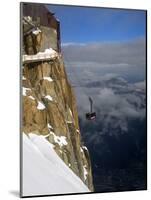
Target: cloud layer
116	103
124	58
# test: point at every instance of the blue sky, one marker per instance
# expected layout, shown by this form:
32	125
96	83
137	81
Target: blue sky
85	25
114	41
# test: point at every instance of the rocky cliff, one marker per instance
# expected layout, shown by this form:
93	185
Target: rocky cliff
49	104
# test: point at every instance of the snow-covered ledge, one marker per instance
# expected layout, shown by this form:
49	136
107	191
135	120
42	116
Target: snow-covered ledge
46	55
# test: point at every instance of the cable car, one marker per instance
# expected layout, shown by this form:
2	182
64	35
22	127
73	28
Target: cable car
91	115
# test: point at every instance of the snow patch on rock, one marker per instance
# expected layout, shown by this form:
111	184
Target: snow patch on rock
85	172
49	97
36	31
25	90
48	78
84	147
61	140
23	78
49	126
31	97
40	106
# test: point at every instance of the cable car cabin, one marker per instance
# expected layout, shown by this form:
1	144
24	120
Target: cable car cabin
91	115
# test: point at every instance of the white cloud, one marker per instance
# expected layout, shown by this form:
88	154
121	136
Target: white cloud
125	58
115	104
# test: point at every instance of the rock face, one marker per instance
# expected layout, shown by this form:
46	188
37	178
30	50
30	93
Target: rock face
49	107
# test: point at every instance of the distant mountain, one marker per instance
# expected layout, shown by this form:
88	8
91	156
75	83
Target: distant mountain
108	82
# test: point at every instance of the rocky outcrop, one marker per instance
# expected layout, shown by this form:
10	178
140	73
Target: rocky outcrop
49	107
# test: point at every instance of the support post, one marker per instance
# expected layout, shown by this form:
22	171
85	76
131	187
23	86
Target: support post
91	102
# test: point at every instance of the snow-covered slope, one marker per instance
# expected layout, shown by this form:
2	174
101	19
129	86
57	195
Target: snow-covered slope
43	170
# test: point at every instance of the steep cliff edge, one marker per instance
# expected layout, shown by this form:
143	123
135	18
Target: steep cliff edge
49	105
